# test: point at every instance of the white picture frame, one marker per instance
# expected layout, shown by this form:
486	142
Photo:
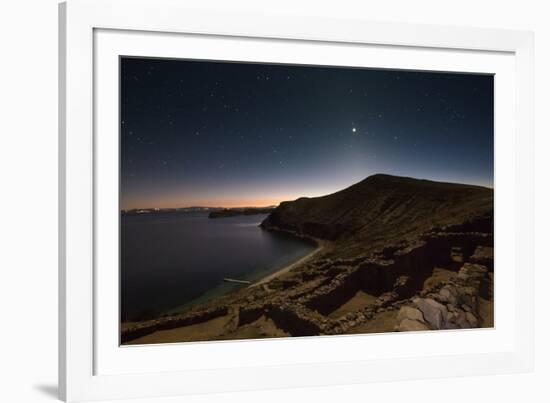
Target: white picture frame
92	366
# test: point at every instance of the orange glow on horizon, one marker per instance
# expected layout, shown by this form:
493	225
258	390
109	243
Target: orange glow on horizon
227	203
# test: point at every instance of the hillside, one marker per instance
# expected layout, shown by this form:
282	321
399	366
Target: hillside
381	208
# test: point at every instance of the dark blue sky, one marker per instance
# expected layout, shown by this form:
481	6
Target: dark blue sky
236	134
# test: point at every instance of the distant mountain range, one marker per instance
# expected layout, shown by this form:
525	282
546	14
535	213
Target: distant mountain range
232	212
224	211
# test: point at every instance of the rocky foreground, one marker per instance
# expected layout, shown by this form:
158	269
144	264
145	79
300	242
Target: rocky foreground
398	254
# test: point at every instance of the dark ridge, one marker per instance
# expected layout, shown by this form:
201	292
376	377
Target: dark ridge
380	208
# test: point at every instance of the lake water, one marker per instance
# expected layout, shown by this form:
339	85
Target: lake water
174	260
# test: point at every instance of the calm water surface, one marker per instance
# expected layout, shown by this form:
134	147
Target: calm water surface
172	261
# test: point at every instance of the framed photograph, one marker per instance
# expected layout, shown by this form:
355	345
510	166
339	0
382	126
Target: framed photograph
260	201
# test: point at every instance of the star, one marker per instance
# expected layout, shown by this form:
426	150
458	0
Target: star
353	130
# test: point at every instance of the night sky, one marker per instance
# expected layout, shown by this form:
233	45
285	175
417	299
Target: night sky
217	134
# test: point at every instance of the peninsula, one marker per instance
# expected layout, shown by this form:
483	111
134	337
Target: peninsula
233	212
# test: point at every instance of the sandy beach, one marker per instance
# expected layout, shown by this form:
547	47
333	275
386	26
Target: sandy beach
320	246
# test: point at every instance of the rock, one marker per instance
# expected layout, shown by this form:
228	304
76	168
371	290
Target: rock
461	320
434	313
483	255
472	320
408	312
467	308
451	316
445	295
385	299
471	274
411	325
457	254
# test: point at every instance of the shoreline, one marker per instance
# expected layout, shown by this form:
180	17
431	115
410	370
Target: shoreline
287	268
321	245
